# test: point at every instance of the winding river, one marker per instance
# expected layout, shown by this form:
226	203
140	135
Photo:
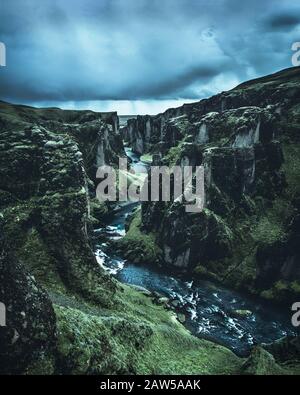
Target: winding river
211	311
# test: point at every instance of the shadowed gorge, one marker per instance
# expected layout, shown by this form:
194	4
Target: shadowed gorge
246	139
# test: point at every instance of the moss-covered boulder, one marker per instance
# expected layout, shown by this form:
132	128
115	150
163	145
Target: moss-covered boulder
261	363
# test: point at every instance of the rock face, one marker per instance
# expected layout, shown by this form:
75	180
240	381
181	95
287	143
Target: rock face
46	157
31	326
145	132
247	140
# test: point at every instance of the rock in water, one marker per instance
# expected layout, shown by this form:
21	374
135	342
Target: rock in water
241	313
181	318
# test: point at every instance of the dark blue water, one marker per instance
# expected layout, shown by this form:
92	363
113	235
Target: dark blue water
209	309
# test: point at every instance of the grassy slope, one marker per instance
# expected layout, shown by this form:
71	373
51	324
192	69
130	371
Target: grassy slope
134	337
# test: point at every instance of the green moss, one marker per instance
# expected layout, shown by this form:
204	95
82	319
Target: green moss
282	290
139	246
272	221
84	344
43	365
295	286
264	226
291	167
38	260
98	212
174	154
261	363
147	158
16	219
267	232
45	235
134	337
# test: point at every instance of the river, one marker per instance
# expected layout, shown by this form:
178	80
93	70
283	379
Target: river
210	309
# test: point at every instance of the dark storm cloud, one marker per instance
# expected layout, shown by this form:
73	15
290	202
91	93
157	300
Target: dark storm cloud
140	49
286	21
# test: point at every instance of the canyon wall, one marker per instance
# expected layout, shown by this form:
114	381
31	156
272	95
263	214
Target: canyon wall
247	139
46	159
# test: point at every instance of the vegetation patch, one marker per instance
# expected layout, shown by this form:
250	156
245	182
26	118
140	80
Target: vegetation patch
135	337
139	246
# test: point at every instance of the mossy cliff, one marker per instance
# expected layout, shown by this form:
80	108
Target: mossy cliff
247	139
65	315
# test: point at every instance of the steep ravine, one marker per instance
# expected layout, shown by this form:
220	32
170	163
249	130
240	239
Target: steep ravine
209	310
247	237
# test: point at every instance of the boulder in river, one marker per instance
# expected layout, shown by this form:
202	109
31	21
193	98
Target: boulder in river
240	313
163	301
141	289
181	318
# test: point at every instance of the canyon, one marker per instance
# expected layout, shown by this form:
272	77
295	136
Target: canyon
247	139
65	313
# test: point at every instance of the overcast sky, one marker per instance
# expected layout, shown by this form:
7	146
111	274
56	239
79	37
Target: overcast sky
140	56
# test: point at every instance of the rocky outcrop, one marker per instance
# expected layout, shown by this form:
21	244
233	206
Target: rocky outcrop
30	332
96	134
278	358
47	199
285	349
261	363
247	140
